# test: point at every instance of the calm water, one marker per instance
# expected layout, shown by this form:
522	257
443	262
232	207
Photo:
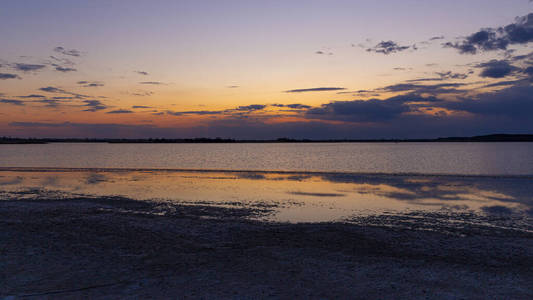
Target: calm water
389	158
351	178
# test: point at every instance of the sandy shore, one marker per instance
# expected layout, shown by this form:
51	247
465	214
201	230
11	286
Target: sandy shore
119	248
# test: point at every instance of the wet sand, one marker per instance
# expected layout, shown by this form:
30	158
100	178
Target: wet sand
112	247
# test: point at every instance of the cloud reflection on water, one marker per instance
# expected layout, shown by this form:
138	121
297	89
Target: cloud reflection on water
295	196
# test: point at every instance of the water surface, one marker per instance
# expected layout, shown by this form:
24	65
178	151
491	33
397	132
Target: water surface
290	197
388	158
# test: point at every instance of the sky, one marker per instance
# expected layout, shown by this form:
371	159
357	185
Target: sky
265	69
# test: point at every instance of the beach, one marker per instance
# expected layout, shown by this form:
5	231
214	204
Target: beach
120	233
114	247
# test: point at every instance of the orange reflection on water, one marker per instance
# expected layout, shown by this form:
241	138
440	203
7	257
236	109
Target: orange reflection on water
294	197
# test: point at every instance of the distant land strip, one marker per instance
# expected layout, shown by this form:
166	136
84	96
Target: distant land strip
481	138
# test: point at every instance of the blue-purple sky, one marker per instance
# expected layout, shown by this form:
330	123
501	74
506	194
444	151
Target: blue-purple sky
265	69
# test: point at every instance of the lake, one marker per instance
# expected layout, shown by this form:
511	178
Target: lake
387	158
294	182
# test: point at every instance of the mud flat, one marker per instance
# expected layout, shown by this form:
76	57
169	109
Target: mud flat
111	247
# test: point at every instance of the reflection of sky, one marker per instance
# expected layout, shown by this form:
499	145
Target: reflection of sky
296	197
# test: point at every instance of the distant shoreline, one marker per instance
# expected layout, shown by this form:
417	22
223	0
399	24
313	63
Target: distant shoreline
482	138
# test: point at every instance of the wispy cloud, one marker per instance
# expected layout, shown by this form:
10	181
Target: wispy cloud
318	89
94	105
240	110
4	76
152	82
292	106
120	111
85	83
449	75
389	47
12	101
65	69
320	52
32	96
71	52
142	93
142	73
50	103
27	67
51	89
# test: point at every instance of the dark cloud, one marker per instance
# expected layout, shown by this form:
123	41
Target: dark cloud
496	69
195	112
4	76
32	96
389	47
297	106
359	110
233	87
65	69
94	105
319	89
27	67
142	73
490	39
293	106
515	102
12	101
508	109
71	52
528	71
252	107
120	111
437	38
323	53
51	89
140	106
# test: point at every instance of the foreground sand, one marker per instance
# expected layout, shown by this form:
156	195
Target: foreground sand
119	248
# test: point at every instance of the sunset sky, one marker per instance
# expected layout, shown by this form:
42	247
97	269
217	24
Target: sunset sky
265	69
